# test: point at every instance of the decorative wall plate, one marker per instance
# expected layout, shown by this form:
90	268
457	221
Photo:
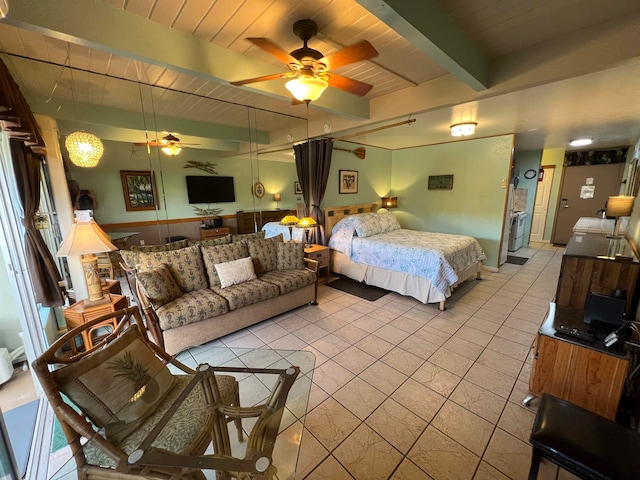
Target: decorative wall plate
258	189
530	174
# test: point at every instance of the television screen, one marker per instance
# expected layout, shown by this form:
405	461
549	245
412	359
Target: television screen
201	189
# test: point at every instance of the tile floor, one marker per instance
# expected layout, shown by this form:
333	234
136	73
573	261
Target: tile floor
403	391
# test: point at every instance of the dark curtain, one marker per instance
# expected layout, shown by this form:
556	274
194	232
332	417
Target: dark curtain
42	267
313	161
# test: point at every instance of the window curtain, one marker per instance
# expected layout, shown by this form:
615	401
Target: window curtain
42	267
313	161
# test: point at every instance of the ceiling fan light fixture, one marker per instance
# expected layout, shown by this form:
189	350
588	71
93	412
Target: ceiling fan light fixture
306	88
85	149
581	142
171	149
463	129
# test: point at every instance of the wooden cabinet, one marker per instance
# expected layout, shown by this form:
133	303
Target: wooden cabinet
78	313
209	233
596	263
584	373
248	221
320	254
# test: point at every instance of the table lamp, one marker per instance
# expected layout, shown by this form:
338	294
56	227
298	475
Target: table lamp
619	206
277	197
307	223
389	202
86	238
289	221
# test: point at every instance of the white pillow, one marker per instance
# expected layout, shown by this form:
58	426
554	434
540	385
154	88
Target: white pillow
235	272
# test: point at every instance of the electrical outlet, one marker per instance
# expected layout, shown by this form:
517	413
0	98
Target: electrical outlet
141	242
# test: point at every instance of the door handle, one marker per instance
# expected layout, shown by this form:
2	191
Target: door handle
564	203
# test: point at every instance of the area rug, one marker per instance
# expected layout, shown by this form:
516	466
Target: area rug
366	292
516	260
20	423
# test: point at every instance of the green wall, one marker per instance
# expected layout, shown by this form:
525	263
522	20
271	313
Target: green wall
475	205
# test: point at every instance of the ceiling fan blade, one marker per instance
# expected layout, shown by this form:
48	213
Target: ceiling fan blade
151	143
270	47
360	51
259	79
349	85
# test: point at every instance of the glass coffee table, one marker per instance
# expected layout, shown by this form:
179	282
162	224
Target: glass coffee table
254	389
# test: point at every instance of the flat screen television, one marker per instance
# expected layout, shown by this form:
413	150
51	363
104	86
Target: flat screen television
206	189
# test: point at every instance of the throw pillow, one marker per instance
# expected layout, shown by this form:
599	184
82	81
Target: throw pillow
211	241
264	253
177	245
117	386
221	254
248	236
185	266
159	285
235	272
290	256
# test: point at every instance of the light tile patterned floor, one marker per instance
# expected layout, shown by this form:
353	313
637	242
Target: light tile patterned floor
403	391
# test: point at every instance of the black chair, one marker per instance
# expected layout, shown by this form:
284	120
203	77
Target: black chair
583	443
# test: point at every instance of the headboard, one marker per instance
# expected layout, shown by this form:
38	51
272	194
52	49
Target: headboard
333	215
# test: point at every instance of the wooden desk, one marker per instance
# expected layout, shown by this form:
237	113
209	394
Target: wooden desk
77	314
320	254
584	373
209	233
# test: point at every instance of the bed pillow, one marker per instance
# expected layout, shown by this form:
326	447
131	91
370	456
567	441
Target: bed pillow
235	272
159	285
341	240
388	222
366	224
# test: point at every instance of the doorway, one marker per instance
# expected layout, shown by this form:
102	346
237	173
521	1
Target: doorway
584	191
541	204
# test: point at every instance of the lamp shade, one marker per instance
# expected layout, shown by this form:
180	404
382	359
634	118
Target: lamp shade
389	202
463	129
289	220
306	222
276	197
85	149
619	206
306	87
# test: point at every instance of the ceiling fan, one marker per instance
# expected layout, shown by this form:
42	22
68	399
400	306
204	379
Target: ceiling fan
309	69
169	144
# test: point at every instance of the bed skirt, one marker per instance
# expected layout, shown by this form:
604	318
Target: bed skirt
403	283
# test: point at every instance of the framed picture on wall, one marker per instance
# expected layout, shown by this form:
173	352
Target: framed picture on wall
348	181
139	190
297	188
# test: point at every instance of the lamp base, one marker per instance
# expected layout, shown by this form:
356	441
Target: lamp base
100	301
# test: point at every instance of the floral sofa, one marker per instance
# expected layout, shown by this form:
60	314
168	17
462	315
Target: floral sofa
194	292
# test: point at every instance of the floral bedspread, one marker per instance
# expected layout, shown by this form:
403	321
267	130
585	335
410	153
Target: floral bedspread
434	256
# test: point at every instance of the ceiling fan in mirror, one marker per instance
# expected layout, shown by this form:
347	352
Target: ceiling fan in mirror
169	144
310	70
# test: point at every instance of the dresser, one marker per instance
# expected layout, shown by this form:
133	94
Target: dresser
249	220
209	233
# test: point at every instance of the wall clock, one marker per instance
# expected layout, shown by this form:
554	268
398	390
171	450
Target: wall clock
530	174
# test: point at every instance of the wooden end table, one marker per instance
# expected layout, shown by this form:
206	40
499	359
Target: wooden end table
320	254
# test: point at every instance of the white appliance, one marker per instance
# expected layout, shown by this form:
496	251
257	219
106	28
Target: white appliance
516	237
6	362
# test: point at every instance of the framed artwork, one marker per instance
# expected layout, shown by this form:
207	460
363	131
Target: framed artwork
139	188
258	189
440	182
348	181
297	188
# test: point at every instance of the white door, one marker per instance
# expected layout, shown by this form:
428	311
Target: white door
541	205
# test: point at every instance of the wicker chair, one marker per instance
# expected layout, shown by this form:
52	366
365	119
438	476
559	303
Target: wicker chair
104	423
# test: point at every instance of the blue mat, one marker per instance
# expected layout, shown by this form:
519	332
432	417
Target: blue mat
20	424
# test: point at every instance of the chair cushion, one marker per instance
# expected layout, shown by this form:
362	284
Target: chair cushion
182	433
159	285
185	265
235	272
289	280
290	256
221	254
264	253
191	307
247	293
118	386
248	236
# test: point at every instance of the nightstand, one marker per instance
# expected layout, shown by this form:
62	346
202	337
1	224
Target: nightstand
77	314
320	254
209	233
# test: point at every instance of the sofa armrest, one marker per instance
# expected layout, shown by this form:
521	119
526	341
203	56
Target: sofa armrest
153	323
312	265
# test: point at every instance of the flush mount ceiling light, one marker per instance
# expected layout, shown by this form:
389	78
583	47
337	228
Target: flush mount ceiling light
85	149
463	129
307	87
581	142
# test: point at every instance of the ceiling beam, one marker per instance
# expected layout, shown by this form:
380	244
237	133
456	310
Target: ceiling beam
427	27
97	25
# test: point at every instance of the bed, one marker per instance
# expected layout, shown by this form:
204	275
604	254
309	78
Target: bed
372	248
272	229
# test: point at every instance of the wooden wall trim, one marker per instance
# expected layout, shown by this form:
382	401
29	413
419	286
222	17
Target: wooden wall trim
151	223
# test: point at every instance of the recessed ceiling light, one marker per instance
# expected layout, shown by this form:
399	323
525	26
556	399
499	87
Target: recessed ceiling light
581	142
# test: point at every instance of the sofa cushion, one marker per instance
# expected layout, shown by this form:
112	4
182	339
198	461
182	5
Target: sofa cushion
289	280
264	253
247	293
159	285
192	307
248	236
165	247
185	265
290	256
235	272
119	386
221	254
211	241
